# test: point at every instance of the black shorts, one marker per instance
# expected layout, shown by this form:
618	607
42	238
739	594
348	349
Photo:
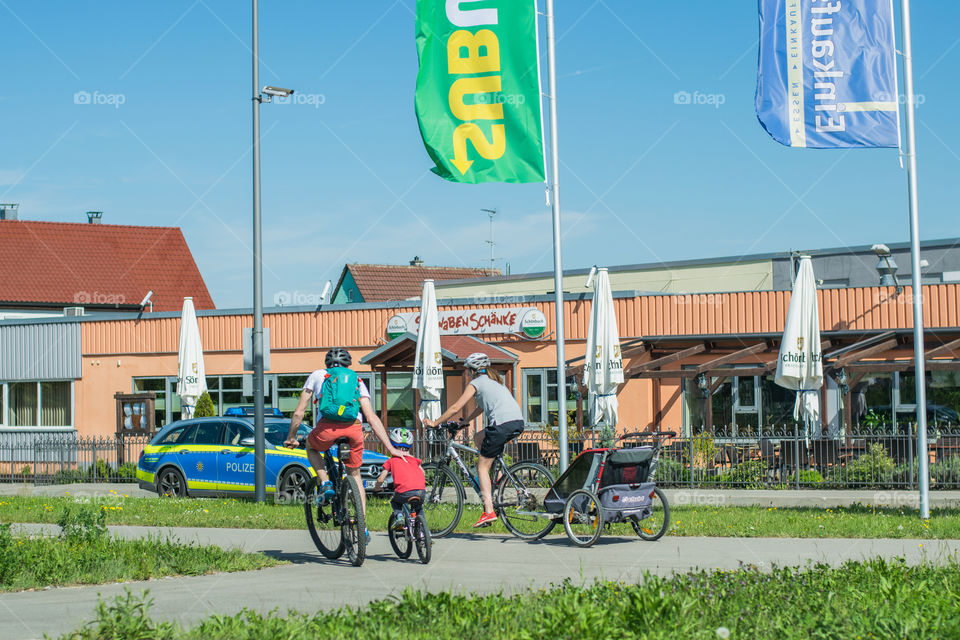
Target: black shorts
496	436
400	499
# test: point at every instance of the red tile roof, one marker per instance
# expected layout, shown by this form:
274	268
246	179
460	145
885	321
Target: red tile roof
387	282
97	265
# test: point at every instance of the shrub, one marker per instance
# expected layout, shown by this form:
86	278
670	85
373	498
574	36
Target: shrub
872	468
82	524
205	407
671	471
946	472
750	473
807	476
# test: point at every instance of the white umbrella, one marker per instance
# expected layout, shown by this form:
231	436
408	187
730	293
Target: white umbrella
603	369
192	380
800	365
428	362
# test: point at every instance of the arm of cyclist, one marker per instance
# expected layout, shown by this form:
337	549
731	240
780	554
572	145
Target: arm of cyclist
455	408
305	397
381	480
367	408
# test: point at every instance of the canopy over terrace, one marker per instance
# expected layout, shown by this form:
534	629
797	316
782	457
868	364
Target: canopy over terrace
710	360
397	356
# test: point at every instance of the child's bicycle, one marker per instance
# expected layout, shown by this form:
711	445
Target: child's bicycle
339	525
410	530
518	490
603	486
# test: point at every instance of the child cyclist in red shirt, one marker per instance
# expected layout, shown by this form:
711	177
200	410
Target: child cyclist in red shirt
408	479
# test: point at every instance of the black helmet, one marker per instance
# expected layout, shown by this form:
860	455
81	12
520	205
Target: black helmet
337	357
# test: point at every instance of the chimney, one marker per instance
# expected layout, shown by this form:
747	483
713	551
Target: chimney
416	262
9	211
93	217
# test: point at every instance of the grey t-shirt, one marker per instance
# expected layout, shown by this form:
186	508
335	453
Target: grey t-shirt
496	401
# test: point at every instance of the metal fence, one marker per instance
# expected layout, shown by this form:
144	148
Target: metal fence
879	457
61	458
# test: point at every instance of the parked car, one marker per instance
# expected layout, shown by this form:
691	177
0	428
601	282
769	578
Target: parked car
214	457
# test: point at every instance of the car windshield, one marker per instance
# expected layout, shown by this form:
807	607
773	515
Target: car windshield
276	432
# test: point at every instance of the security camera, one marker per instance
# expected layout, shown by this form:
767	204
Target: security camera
277	92
882	250
146	298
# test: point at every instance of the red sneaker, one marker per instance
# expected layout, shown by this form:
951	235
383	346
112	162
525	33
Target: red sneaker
486	520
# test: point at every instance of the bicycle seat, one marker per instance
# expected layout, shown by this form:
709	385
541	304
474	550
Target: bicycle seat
414	501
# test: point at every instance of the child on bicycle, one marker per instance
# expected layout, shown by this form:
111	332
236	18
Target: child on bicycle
504	422
408	479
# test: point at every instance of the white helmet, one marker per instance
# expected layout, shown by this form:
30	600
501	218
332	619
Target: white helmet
401	437
477	361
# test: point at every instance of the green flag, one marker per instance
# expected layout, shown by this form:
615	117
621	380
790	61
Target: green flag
478	89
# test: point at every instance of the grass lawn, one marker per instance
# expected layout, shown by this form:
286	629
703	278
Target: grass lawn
847	522
84	553
876	599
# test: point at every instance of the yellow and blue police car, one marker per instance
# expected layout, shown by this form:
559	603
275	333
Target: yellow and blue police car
214	457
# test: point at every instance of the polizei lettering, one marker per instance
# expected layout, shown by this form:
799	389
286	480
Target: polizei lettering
824	64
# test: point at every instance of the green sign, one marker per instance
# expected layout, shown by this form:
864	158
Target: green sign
478	89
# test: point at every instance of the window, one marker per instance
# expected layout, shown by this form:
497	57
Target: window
540	403
235	432
207	433
289	388
173	437
159	387
736	403
37	404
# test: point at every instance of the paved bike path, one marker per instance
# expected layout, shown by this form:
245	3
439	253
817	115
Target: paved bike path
462	563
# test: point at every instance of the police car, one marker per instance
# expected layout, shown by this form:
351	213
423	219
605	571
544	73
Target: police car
214	457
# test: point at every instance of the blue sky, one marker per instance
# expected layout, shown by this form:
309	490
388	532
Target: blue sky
345	175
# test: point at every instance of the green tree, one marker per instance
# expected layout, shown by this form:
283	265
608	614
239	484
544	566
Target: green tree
205	407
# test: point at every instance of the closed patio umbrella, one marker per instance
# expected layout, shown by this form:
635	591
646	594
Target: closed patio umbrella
428	362
603	368
191	377
800	365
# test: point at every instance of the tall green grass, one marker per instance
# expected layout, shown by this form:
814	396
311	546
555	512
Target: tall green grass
875	599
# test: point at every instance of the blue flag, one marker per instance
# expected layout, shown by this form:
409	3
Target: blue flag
828	77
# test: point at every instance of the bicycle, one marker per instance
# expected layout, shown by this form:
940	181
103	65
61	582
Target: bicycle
519	489
339	525
411	532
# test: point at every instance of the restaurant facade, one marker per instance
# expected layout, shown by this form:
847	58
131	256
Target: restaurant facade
694	362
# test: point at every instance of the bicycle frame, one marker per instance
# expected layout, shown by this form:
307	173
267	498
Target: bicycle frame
451	454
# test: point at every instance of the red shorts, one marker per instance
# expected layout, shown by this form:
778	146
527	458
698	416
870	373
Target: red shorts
325	434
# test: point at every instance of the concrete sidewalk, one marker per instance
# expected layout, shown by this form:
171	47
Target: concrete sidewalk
462	563
677	497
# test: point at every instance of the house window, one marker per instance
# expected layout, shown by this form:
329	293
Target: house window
736	404
159	387
37	404
540	405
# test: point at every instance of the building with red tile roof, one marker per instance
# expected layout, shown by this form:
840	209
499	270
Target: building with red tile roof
53	265
390	282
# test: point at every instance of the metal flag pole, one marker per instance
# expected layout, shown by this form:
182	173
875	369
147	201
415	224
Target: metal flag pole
557	266
918	350
259	467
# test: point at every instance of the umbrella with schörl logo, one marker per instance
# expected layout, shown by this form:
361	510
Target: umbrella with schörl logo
191	376
428	362
603	368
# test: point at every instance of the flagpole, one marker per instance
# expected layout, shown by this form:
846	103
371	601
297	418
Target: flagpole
918	349
557	266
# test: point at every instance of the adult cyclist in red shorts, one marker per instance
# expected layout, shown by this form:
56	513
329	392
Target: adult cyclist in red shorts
326	433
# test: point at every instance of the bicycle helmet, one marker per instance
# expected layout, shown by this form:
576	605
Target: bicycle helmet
337	357
477	361
401	437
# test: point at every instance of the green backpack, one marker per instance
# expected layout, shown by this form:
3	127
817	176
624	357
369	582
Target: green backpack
340	395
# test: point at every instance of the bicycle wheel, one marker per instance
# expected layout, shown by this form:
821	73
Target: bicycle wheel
421	538
444	501
353	523
320	521
517	499
655	525
583	518
397	532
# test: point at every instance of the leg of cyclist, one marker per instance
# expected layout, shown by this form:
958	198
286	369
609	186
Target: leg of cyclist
486	487
495	438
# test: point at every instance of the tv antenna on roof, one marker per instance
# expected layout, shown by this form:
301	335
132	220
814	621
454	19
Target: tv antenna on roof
491	213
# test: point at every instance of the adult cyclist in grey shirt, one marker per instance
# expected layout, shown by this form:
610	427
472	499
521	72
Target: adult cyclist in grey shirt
504	422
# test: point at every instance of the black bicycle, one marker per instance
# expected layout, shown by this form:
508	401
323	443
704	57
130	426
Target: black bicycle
410	530
337	525
518	490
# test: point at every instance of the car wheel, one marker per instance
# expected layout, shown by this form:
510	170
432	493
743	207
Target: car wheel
292	486
170	483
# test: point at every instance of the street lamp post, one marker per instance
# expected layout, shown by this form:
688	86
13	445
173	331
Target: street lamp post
259	446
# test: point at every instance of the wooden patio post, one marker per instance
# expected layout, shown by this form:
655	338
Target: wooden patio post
383	396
